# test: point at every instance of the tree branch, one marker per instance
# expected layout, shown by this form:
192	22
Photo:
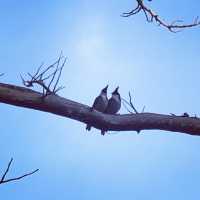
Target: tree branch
24	97
130	104
48	78
3	180
151	16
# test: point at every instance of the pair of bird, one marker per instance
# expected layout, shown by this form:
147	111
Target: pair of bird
102	104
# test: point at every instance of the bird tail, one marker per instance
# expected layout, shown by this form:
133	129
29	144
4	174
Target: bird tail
88	127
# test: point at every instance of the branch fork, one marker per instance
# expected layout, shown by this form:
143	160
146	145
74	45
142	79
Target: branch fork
4	180
47	78
151	16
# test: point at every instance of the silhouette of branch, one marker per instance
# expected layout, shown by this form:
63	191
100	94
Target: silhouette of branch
4	180
151	16
25	97
48	78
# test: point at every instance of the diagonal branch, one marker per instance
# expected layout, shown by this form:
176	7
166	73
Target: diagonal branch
24	97
151	16
4	180
7	169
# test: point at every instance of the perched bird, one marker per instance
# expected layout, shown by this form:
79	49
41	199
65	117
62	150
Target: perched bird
114	105
100	103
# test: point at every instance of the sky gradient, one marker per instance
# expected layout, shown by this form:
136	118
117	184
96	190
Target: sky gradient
160	68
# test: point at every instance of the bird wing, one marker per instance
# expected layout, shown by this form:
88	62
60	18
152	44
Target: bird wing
96	102
100	104
109	108
113	106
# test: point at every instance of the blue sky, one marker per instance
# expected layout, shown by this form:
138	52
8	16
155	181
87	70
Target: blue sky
160	68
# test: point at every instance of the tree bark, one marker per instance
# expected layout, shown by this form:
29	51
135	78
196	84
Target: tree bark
24	97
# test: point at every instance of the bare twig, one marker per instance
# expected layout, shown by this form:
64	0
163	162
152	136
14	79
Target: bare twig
151	16
124	102
130	104
143	109
130	101
59	75
48	78
3	180
4	175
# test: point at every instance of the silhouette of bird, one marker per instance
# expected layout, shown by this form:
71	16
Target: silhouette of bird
100	103
114	105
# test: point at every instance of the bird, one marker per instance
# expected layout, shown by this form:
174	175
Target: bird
100	103
114	105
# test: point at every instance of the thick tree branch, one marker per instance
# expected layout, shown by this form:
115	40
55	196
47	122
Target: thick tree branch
23	97
4	180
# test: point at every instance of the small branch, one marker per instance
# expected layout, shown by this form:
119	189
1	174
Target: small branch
130	104
7	169
3	180
47	79
151	16
143	109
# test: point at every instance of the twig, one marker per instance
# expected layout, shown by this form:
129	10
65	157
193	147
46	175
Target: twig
152	16
59	75
47	79
130	103
3	180
124	102
143	109
4	175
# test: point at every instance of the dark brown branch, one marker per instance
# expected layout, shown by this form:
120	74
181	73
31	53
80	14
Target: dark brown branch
4	180
151	16
24	97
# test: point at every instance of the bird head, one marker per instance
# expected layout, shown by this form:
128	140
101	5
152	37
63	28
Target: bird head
115	92
104	90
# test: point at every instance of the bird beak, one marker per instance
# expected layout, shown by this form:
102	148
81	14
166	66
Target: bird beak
105	89
116	90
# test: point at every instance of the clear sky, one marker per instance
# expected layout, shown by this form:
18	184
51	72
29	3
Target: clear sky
160	68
